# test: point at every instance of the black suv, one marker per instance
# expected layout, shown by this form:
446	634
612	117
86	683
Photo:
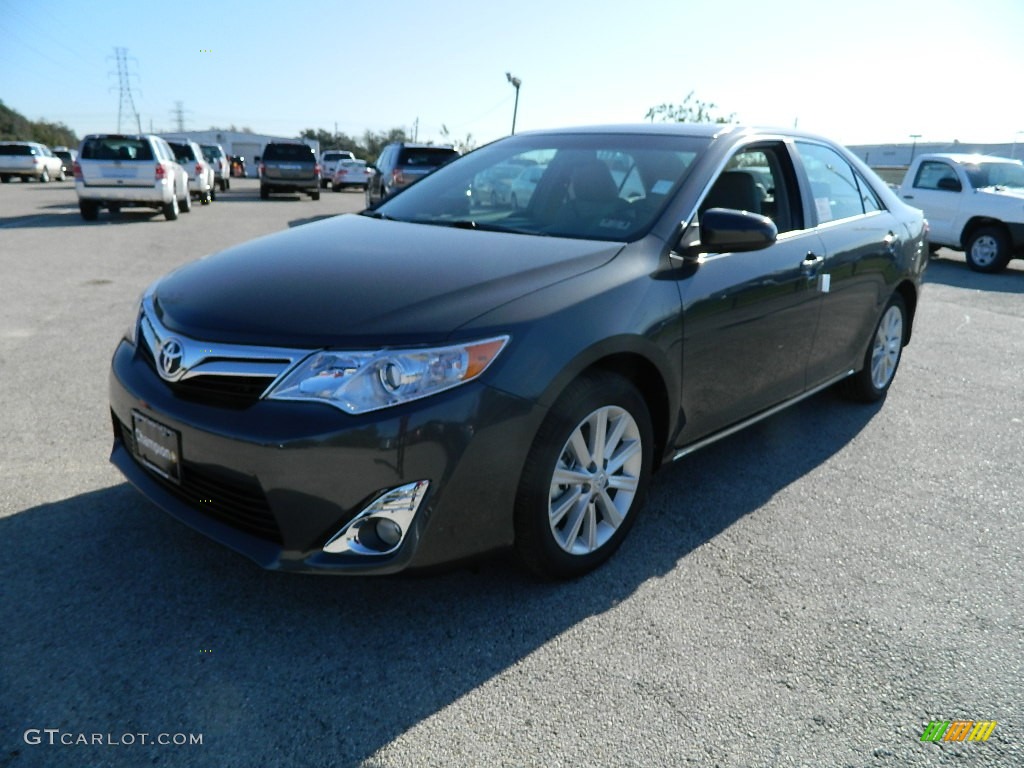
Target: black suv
289	167
400	164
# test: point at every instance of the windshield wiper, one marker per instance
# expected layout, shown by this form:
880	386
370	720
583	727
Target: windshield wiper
377	215
485	226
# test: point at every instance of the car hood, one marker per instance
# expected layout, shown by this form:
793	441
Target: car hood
357	280
1015	192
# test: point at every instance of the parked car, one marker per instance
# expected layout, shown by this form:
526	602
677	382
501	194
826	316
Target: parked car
115	171
402	163
28	160
521	189
67	160
973	203
289	167
432	379
214	155
350	173
330	162
200	174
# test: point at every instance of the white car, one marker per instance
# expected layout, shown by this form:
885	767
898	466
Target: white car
350	173
115	171
200	173
214	154
29	160
973	203
329	163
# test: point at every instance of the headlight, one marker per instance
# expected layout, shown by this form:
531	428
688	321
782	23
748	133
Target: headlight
131	333
359	382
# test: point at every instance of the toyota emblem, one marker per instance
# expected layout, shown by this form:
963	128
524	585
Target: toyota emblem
169	359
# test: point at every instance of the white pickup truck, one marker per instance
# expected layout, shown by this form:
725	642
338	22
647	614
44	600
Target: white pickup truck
973	203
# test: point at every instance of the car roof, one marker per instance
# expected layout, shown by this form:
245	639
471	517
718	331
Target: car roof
969	159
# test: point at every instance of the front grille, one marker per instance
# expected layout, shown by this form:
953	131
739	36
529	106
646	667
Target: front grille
236	501
222	390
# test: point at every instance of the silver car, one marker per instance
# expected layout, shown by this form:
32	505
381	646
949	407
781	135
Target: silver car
29	160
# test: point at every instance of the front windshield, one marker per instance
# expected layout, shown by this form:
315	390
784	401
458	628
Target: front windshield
591	186
996	175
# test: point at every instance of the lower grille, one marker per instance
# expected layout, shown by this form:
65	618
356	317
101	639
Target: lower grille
235	501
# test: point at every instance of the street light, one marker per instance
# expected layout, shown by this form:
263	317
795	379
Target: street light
516	82
913	148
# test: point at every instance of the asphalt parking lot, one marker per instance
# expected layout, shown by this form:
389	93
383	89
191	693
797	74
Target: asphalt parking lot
811	592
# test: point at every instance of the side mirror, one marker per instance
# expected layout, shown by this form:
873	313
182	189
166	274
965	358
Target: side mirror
724	230
949	184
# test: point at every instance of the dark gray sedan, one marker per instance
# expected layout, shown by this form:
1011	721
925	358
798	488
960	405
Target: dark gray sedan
436	379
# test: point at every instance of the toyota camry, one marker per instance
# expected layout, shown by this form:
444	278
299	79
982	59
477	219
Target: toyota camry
442	376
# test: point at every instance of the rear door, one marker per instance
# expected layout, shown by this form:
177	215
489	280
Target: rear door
861	243
117	161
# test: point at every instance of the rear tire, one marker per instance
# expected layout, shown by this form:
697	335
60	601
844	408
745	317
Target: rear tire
44	177
871	383
89	210
585	477
171	209
223	185
315	195
213	193
5	179
264	193
988	250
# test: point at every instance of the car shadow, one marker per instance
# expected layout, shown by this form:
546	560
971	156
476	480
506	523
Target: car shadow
118	619
950	269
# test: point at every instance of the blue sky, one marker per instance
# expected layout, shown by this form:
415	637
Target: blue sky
860	72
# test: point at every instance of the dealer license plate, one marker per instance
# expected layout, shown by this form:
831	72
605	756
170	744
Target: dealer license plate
157	446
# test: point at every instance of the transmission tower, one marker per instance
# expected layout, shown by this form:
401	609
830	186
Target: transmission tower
124	85
179	116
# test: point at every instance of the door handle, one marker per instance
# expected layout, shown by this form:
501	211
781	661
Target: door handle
908	197
811	261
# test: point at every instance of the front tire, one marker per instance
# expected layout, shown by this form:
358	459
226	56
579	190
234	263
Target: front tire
44	177
185	204
872	381
264	193
585	477
988	250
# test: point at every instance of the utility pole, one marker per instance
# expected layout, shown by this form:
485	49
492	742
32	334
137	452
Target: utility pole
125	88
416	129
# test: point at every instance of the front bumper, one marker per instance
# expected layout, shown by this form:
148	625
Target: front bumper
277	481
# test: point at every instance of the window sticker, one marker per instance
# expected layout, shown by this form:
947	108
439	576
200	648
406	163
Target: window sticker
661	187
824	208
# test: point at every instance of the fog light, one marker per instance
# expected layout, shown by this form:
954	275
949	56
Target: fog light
389	532
381	527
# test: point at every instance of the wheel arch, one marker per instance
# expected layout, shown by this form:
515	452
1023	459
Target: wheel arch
641	370
977	222
908	292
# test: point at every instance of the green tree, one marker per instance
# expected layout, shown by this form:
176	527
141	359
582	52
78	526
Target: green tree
690	111
373	142
16	127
